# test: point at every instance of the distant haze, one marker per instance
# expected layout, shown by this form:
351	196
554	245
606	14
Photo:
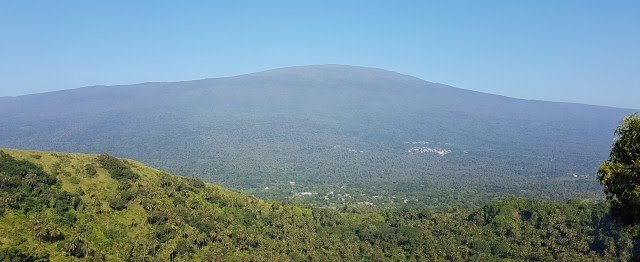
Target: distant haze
567	51
325	124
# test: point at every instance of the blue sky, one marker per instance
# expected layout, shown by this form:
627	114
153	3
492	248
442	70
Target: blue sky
572	51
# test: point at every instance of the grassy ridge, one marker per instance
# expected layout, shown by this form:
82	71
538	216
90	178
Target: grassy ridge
66	207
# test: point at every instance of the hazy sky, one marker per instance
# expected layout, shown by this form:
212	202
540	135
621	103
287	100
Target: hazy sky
573	51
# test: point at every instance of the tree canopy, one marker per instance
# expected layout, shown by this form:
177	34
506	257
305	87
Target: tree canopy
620	175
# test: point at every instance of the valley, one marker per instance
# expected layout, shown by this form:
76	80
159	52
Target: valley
352	130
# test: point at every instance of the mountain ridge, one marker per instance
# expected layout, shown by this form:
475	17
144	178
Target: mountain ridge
302	70
328	128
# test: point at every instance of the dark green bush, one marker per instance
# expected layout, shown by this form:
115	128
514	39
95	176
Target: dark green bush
164	234
90	169
157	218
14	254
183	247
75	248
117	204
117	168
48	232
197	183
26	186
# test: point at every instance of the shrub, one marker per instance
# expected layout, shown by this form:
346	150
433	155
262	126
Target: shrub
117	168
48	232
197	183
14	254
117	204
91	170
75	248
157	218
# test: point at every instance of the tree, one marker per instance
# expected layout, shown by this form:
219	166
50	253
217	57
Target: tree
620	175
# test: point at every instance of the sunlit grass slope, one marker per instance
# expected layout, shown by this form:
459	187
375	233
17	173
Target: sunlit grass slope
67	207
155	215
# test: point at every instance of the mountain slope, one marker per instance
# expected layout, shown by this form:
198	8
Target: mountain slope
326	128
59	206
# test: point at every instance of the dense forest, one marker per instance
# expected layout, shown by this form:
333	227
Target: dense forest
58	206
329	135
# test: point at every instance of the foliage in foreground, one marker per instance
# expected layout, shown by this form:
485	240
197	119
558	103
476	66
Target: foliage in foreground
88	207
620	175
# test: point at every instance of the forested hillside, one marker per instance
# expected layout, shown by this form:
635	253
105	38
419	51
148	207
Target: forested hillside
58	206
366	135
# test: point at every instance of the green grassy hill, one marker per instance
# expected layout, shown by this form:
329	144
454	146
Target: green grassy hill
67	207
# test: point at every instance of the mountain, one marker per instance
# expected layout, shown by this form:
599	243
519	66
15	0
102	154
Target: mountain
75	207
355	131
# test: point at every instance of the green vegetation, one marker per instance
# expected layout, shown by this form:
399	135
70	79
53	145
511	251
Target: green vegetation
59	210
117	168
620	175
28	188
367	135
